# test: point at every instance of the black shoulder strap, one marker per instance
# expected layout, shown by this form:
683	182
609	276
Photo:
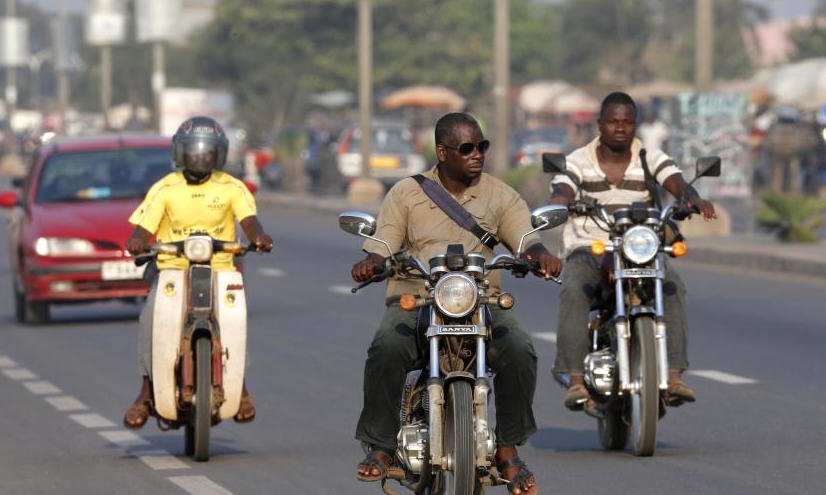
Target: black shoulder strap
650	182
454	210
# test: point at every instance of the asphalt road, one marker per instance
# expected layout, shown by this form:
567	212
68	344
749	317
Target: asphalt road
756	346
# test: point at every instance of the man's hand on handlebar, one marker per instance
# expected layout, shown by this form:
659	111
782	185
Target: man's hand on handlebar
706	208
549	265
263	242
365	270
138	242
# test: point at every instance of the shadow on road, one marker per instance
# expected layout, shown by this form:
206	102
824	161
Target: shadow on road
565	439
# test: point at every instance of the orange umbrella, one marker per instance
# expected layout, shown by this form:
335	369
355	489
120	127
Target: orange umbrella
424	96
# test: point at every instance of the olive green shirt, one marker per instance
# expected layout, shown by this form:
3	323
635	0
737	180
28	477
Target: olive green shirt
409	219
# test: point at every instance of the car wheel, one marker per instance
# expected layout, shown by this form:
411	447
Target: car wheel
31	312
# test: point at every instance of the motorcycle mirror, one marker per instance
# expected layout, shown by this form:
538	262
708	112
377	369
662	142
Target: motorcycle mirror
553	163
708	166
357	223
549	216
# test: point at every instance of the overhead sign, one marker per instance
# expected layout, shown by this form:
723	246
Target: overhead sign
157	20
14	42
105	22
179	104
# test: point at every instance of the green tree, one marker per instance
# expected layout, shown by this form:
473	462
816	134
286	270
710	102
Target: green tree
810	41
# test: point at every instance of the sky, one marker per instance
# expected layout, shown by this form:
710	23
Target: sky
780	9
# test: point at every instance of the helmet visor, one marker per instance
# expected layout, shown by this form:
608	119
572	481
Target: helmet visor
200	156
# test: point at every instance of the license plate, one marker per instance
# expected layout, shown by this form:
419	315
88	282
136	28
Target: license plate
121	270
457	330
639	273
384	162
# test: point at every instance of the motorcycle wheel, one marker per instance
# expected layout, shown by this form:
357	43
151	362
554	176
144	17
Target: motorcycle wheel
645	403
202	417
460	477
613	430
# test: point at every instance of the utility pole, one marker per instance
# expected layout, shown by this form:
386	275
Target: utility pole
501	89
158	80
105	83
704	57
63	72
11	73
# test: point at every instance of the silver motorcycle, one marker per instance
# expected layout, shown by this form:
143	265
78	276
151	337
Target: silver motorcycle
445	444
626	372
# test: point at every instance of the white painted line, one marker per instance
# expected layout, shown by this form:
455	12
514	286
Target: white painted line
199	485
272	272
7	362
160	460
123	438
549	336
341	289
19	374
92	420
720	376
66	403
42	387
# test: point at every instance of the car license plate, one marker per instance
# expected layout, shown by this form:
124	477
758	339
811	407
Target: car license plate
458	330
384	162
121	270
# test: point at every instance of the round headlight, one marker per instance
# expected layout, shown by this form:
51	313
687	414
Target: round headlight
198	249
455	295
640	244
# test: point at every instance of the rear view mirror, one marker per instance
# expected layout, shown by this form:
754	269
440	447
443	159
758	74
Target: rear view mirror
708	166
549	216
357	223
553	163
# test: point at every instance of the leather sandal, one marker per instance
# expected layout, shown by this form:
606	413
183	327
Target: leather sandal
246	410
523	476
576	397
375	460
136	415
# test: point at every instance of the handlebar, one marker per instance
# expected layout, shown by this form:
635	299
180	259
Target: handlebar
519	267
175	248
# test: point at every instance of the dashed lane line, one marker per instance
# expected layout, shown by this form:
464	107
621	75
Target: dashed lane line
42	387
272	272
7	362
720	376
199	485
160	460
123	438
19	374
92	420
549	336
66	403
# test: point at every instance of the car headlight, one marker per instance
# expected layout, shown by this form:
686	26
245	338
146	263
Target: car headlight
640	244
455	295
59	246
198	248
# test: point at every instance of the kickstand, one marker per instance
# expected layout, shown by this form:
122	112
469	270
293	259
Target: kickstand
387	489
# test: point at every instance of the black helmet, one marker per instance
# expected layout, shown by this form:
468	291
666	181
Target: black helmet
199	146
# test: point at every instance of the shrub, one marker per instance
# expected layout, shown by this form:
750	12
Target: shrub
793	218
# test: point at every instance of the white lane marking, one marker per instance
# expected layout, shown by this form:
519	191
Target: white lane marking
160	460
549	336
7	362
92	420
340	289
199	485
720	376
123	438
66	403
42	387
19	374
272	272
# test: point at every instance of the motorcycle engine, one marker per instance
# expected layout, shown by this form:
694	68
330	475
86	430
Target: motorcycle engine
600	369
412	442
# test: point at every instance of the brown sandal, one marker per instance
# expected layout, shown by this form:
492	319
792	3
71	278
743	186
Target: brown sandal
524	480
374	460
136	415
246	410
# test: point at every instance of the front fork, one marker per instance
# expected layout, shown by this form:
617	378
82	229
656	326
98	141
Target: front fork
624	332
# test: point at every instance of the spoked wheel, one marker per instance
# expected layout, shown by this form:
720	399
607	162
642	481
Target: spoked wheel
645	402
613	430
460	477
202	405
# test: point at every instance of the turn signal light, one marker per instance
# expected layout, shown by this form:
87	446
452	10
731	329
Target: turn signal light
505	300
678	249
408	302
598	248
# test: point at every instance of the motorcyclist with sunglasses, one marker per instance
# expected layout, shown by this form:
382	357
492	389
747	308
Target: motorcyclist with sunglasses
410	219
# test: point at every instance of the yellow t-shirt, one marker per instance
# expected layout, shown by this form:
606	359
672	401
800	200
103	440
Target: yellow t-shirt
173	209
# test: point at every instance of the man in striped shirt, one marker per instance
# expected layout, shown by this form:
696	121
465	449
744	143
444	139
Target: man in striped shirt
609	170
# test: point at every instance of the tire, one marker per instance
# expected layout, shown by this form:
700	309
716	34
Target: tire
613	430
459	444
645	403
202	414
30	312
189	439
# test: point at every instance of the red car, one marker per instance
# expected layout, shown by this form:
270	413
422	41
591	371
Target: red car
68	224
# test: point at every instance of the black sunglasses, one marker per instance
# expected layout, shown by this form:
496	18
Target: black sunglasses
465	149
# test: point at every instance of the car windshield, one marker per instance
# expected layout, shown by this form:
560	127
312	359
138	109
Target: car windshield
386	140
102	175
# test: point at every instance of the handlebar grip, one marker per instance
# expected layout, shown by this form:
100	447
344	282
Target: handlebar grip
683	212
143	259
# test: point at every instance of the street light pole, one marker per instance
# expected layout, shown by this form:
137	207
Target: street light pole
63	73
365	83
158	80
704	25
105	82
502	87
11	74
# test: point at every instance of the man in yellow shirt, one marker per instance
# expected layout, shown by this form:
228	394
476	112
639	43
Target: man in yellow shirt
198	198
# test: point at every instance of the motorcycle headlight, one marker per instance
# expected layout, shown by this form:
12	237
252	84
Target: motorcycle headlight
198	249
455	295
58	246
640	244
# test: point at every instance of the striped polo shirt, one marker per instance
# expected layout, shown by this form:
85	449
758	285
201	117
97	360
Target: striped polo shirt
583	164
